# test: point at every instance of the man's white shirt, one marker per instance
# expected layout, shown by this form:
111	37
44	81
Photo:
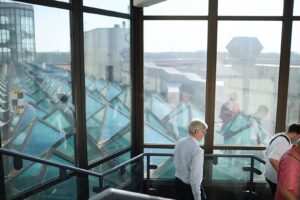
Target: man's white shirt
188	162
275	151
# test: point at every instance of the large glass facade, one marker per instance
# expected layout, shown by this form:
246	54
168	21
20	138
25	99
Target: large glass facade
214	60
174	78
36	98
17	36
293	103
247	73
107	83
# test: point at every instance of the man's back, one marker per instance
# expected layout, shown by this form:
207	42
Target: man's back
185	150
278	145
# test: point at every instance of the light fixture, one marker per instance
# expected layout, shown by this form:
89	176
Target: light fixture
145	3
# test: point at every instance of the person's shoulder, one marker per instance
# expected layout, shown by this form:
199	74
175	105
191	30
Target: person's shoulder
279	137
290	158
181	140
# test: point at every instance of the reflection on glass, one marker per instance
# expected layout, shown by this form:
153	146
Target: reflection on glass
232	168
34	76
174	78
251	7
116	179
293	103
247	82
165	166
108	87
178	7
65	190
113	5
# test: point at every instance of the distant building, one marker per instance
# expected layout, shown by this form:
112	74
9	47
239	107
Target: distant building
17	37
105	49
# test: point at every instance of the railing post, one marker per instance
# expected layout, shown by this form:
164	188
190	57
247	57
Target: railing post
2	182
148	174
2	176
251	177
101	183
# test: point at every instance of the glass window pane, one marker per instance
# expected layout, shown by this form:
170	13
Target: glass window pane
251	7
165	166
64	190
247	82
118	178
113	5
178	7
231	168
25	180
297	7
107	70
174	78
293	102
35	74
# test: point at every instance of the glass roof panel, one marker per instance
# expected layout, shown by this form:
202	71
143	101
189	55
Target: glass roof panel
125	97
154	122
118	143
28	116
128	98
93	128
113	91
93	151
98	96
27	82
58	120
92	106
94	124
89	81
29	99
53	172
64	190
25	180
41	139
14	120
67	147
180	117
100	84
46	105
65	88
39	95
17	143
114	122
154	137
159	107
33	88
118	105
39	112
104	92
53	87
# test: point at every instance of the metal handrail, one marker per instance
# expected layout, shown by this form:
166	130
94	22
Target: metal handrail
66	167
48	162
123	164
135	159
251	156
215	155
